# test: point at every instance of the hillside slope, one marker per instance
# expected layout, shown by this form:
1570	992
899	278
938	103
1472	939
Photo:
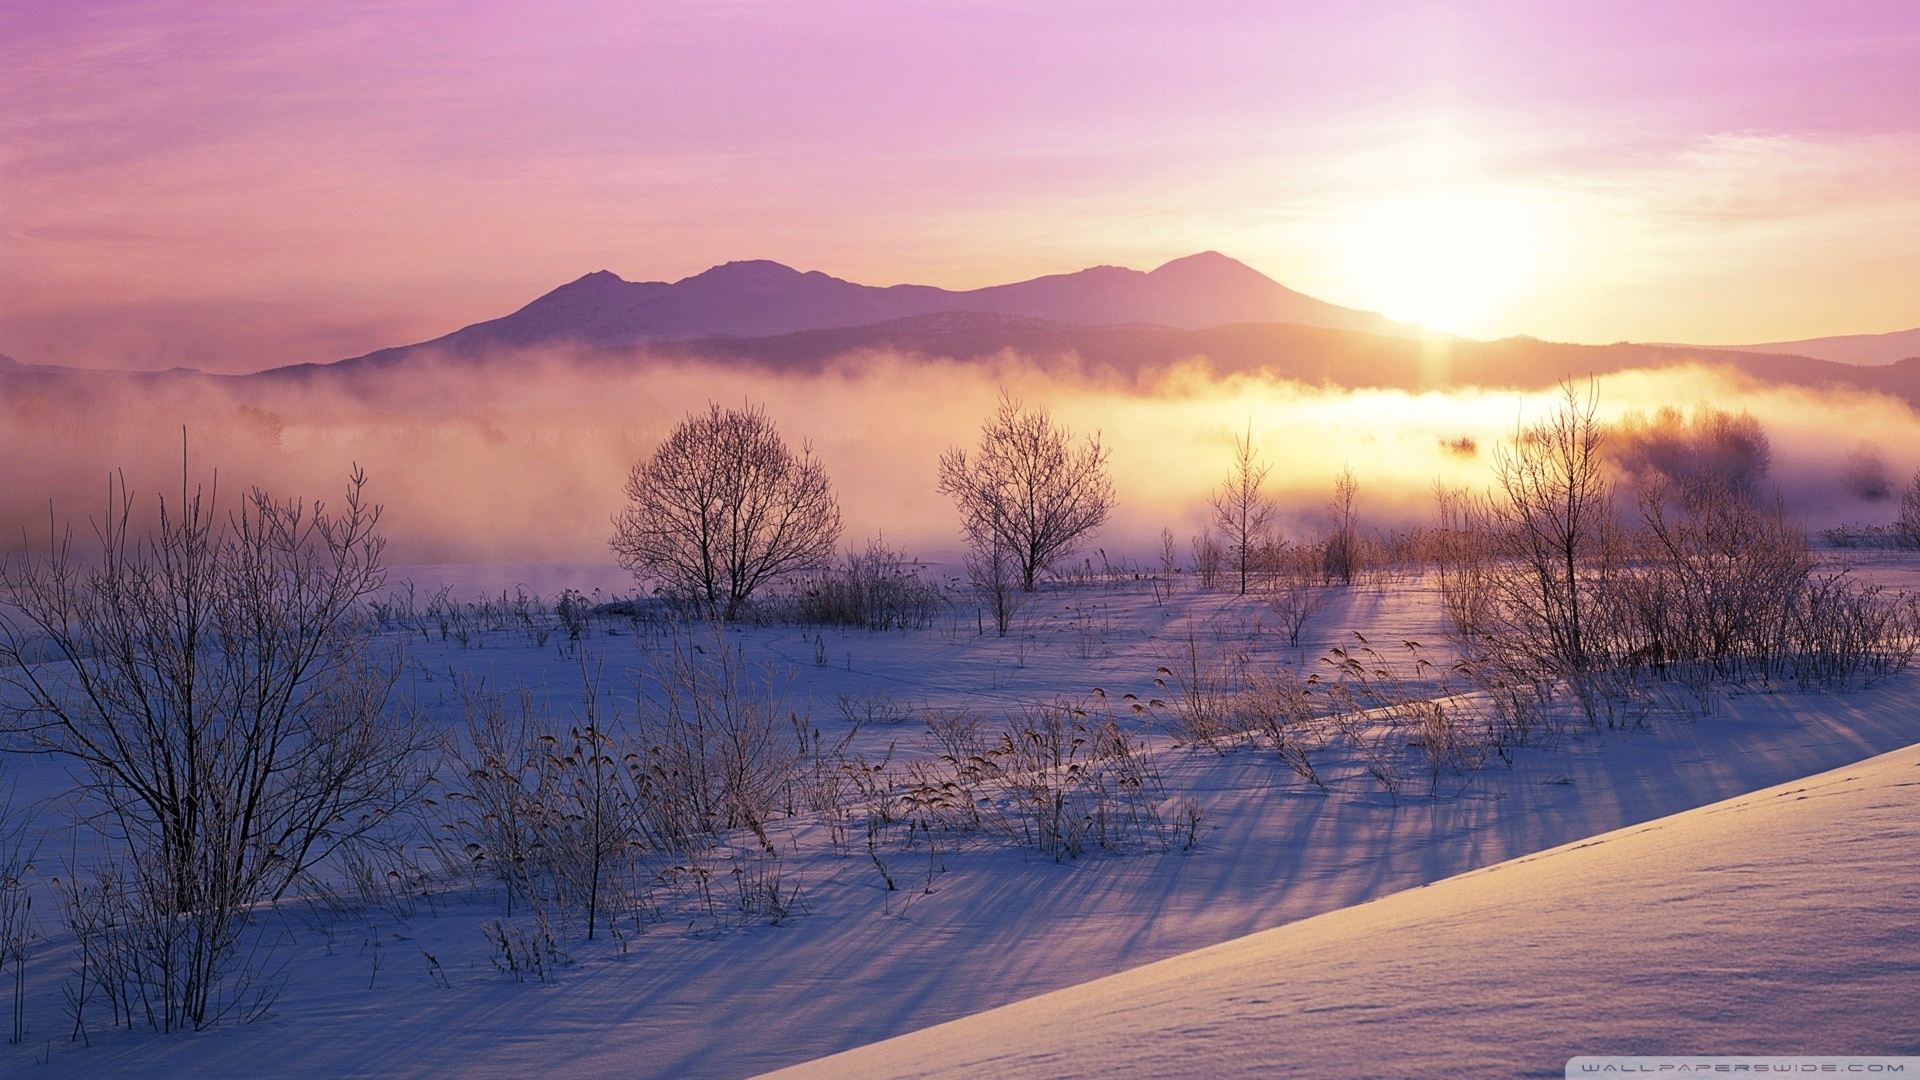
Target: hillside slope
1780	922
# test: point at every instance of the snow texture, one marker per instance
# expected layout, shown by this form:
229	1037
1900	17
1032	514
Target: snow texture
1781	922
1776	922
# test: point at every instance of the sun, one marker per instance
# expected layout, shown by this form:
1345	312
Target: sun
1451	260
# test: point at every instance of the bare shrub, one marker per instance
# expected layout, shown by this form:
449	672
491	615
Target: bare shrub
522	952
586	808
875	589
1461	547
1843	633
574	611
1714	584
217	686
18	927
994	575
1208	558
723	507
1342	552
871	707
1283	710
1382	708
1050	779
130	955
492	784
1240	510
712	749
1028	493
1204	687
1294	590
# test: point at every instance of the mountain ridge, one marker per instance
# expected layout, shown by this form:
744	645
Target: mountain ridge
1867	350
757	298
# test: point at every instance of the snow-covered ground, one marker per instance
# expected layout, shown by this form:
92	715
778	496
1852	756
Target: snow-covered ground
1786	921
408	989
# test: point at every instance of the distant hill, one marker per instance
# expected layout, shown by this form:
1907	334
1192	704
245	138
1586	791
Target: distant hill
761	299
1846	349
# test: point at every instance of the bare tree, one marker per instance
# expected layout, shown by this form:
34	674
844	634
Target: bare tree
1240	510
723	507
1552	511
218	688
1343	528
1028	490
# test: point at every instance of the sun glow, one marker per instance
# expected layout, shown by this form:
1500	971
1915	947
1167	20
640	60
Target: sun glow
1452	260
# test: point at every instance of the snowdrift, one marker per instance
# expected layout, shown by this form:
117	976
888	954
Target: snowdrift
1784	921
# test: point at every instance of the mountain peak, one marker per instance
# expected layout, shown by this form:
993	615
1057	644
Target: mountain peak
1205	263
745	272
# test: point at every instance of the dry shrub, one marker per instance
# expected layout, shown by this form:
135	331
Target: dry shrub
875	589
1204	687
1294	590
1049	778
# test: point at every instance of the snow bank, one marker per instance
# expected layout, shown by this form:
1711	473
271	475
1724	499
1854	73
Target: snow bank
1785	921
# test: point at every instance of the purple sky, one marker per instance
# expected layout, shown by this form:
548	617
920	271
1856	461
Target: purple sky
237	185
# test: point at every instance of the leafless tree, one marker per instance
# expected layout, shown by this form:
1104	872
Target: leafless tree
1343	529
1240	510
219	690
723	507
1028	490
1550	516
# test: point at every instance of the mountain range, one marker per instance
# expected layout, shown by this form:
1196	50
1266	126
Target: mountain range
759	299
1103	318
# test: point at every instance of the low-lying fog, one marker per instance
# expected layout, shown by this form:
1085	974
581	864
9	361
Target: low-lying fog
527	466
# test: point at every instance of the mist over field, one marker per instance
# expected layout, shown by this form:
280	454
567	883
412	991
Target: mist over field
524	461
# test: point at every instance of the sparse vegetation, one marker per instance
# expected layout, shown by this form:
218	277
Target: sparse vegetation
875	589
224	703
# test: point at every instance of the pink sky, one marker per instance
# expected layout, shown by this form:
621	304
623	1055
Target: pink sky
235	186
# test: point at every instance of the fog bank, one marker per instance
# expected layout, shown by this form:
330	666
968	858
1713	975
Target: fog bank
525	463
